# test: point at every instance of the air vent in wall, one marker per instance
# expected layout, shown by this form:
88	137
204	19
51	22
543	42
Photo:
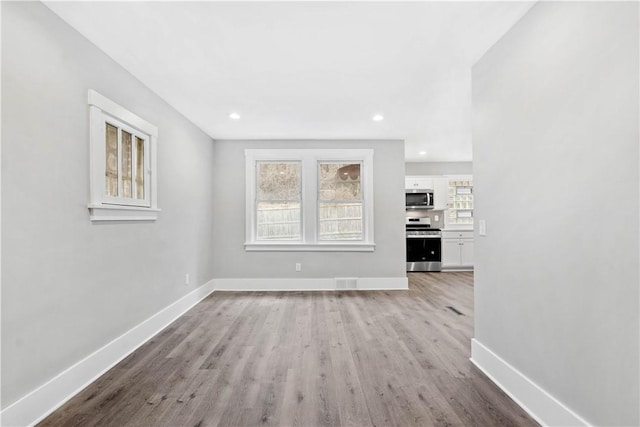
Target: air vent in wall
346	282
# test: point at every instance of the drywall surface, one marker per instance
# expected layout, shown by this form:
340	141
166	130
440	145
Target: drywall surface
70	286
555	140
388	259
439	168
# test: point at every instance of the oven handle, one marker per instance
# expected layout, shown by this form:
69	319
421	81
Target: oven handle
424	237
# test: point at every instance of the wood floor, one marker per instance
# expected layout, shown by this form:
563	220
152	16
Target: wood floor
348	358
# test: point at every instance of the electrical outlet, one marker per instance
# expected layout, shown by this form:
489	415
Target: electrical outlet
437	218
186	279
298	266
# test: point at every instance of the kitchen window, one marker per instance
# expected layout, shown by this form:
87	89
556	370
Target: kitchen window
122	163
460	201
309	200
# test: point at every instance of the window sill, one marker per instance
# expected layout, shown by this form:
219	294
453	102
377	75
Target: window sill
122	213
309	247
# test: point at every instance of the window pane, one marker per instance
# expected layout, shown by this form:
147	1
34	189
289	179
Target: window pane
278	181
111	169
126	164
340	221
340	181
461	202
278	221
340	204
139	168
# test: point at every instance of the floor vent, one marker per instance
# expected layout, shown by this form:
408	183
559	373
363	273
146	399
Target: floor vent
346	282
459	313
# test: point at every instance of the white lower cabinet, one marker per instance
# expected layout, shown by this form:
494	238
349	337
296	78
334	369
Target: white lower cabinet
457	249
466	252
450	252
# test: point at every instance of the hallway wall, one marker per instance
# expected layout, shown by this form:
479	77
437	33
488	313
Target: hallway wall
555	148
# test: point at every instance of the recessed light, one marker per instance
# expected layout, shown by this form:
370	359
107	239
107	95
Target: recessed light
422	153
234	116
377	118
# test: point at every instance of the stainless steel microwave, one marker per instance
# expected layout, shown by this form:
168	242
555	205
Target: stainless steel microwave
419	199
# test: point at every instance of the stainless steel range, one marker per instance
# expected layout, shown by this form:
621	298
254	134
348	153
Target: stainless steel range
424	245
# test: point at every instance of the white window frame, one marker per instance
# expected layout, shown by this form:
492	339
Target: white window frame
310	159
106	208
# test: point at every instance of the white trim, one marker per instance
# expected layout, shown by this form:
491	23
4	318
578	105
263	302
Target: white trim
308	284
330	154
542	406
40	402
121	213
309	247
121	113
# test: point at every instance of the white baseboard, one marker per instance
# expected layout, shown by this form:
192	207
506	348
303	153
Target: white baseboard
309	284
40	402
543	407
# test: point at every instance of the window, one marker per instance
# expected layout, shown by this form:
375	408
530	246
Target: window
460	201
123	163
339	201
278	201
313	200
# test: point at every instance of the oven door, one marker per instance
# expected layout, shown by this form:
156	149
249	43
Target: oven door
424	253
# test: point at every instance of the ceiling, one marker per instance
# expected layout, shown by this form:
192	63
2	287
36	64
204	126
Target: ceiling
308	70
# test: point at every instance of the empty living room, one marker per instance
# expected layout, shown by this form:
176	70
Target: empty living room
310	213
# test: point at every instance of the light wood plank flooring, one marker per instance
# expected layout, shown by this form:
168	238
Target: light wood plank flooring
348	358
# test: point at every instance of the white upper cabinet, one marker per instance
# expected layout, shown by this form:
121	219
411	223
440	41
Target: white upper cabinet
418	182
440	192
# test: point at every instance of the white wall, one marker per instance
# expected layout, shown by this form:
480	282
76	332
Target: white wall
70	286
555	159
439	168
388	260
